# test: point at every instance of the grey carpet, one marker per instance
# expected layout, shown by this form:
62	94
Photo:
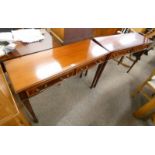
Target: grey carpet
73	103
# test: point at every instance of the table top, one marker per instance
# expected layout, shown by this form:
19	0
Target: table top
122	41
23	49
33	69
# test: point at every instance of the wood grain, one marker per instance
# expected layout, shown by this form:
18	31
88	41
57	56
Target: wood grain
23	49
37	68
59	32
122	41
105	31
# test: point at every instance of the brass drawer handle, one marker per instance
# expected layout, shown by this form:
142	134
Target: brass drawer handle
68	75
86	67
64	78
61	79
45	86
81	69
37	90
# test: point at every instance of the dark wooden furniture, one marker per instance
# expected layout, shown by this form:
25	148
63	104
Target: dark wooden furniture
33	73
70	35
120	45
23	49
135	57
105	31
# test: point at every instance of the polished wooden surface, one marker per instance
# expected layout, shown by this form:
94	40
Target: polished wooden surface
9	112
122	41
77	34
70	35
30	70
59	32
138	30
23	49
120	45
105	31
32	73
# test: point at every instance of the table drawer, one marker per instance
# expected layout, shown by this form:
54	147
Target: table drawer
119	53
67	75
126	51
41	87
139	48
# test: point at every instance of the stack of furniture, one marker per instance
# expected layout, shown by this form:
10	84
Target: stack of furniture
40	67
57	64
70	35
105	31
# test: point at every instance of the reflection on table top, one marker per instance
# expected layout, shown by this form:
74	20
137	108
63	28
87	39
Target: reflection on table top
122	41
23	49
32	69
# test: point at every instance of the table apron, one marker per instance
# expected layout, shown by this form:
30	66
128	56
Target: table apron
38	88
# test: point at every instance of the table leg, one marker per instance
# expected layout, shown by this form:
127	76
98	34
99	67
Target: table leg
100	72
81	74
86	72
27	104
132	65
120	61
96	74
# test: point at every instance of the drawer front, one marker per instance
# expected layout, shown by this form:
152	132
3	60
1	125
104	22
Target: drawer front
67	75
139	48
41	87
35	90
126	51
119	53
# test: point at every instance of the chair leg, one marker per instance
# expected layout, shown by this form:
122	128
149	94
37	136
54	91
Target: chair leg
96	74
138	89
132	65
121	60
100	73
145	109
130	58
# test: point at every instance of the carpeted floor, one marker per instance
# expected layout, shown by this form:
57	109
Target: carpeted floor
73	103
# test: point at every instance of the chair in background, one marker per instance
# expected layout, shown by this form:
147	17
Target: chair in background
148	109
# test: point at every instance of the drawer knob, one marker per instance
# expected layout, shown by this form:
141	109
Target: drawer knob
45	86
